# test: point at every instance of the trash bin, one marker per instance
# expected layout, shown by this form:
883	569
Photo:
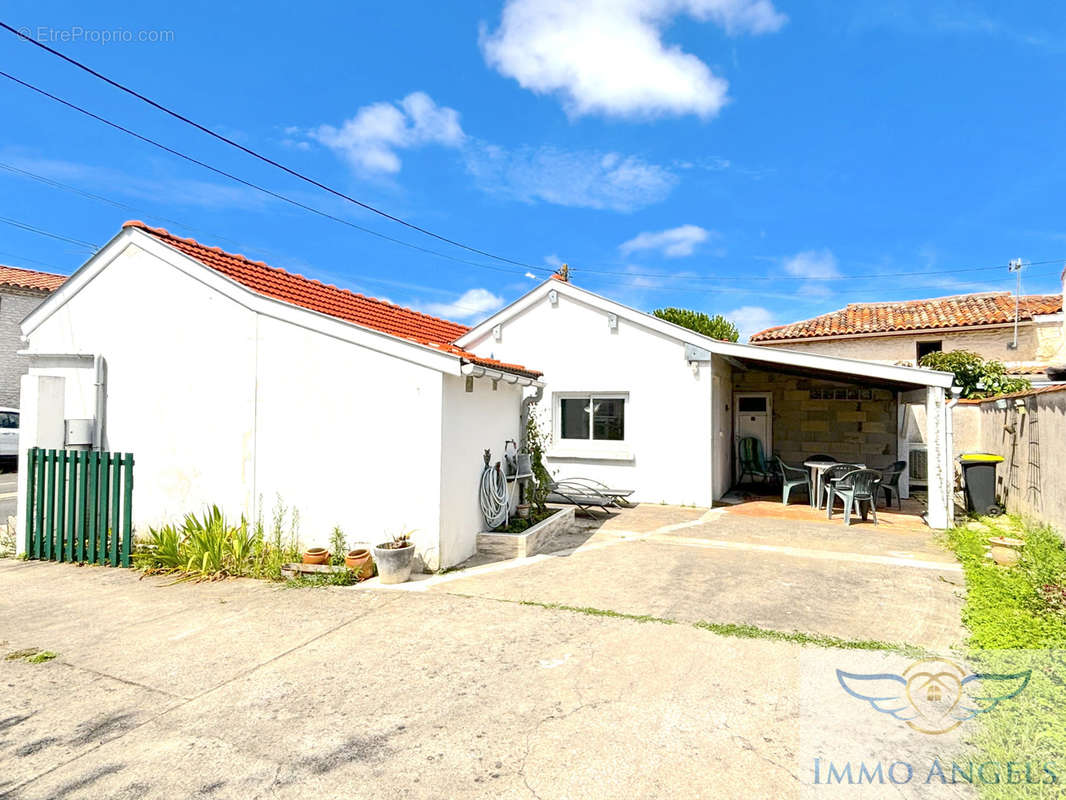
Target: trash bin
979	474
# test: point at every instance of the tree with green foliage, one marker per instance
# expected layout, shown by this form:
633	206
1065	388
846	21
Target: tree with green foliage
717	327
977	377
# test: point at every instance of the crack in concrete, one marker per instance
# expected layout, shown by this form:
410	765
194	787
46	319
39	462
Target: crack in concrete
244	673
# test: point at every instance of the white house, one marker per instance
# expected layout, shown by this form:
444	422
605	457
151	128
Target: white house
233	382
637	402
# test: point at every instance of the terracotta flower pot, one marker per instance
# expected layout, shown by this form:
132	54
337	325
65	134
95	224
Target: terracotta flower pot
360	562
523	510
316	555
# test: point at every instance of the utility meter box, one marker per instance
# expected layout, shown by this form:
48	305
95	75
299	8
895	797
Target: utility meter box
79	434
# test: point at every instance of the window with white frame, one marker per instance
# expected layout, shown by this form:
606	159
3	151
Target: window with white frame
591	417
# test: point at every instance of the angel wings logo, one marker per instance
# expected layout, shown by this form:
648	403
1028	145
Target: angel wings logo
933	696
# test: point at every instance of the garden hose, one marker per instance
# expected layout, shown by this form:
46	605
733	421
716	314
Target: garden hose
495	503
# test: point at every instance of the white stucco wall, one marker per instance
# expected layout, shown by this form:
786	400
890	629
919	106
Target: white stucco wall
222	404
181	382
668	413
347	435
472	423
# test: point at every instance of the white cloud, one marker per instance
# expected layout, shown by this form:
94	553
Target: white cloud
672	243
608	56
813	266
472	303
751	319
370	140
581	179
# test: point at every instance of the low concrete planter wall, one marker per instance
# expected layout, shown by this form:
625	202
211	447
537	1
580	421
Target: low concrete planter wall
519	545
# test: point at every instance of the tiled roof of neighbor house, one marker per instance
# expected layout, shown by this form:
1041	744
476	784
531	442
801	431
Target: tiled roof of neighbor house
958	311
343	304
30	279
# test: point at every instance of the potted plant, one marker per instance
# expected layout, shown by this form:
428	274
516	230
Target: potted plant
360	562
394	558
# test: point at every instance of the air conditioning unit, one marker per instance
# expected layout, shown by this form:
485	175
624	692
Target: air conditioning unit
918	463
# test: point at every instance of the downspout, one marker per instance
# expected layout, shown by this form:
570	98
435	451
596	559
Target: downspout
99	428
527	401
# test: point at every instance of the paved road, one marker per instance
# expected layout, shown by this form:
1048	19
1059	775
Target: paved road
243	689
8	484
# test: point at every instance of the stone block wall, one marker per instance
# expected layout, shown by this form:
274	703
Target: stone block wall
15	306
849	430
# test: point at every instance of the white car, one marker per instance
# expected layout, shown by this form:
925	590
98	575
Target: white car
9	432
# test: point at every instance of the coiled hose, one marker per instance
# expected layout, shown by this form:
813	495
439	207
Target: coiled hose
494	501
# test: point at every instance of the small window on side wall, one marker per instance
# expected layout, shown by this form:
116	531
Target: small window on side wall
922	349
592	417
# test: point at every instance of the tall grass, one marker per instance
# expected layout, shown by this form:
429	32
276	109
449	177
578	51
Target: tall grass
209	546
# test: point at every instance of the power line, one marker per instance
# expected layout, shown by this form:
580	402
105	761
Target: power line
261	157
31	229
255	186
386	215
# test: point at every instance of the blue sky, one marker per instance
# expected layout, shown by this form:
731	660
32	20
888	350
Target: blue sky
763	160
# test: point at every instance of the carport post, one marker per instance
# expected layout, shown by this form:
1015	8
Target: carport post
940	513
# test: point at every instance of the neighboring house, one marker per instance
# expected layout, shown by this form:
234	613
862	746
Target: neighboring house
235	383
21	291
640	403
903	332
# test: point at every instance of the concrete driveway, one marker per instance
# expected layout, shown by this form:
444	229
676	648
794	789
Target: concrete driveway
882	583
241	689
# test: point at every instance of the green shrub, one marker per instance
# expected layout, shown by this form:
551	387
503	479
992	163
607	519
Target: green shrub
208	547
977	377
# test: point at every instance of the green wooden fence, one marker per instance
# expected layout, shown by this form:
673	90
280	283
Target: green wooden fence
79	506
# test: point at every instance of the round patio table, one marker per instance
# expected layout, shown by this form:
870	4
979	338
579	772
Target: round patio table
818	469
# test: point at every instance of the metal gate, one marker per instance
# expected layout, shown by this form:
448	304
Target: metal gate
79	506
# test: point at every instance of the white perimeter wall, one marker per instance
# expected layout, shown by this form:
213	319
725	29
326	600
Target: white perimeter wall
668	415
473	422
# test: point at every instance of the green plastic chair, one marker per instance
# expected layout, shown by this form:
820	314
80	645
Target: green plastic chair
752	461
791	478
834	473
856	488
890	482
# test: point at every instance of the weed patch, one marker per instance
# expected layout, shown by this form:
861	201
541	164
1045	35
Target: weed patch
31	655
1016	623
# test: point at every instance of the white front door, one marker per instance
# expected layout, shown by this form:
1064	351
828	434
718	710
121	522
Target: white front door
753	416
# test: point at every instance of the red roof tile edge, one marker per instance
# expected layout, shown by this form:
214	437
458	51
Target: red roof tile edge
879	318
391	319
20	278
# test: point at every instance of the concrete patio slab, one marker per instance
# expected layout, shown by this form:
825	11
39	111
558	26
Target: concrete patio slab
868	583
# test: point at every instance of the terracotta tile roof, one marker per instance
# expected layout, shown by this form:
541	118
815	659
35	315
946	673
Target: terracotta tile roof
961	310
358	309
30	279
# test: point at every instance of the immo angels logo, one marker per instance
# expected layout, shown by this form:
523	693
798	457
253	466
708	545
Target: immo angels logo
933	696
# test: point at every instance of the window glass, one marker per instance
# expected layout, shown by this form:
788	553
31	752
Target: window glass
608	419
574	418
751	405
9	419
925	348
